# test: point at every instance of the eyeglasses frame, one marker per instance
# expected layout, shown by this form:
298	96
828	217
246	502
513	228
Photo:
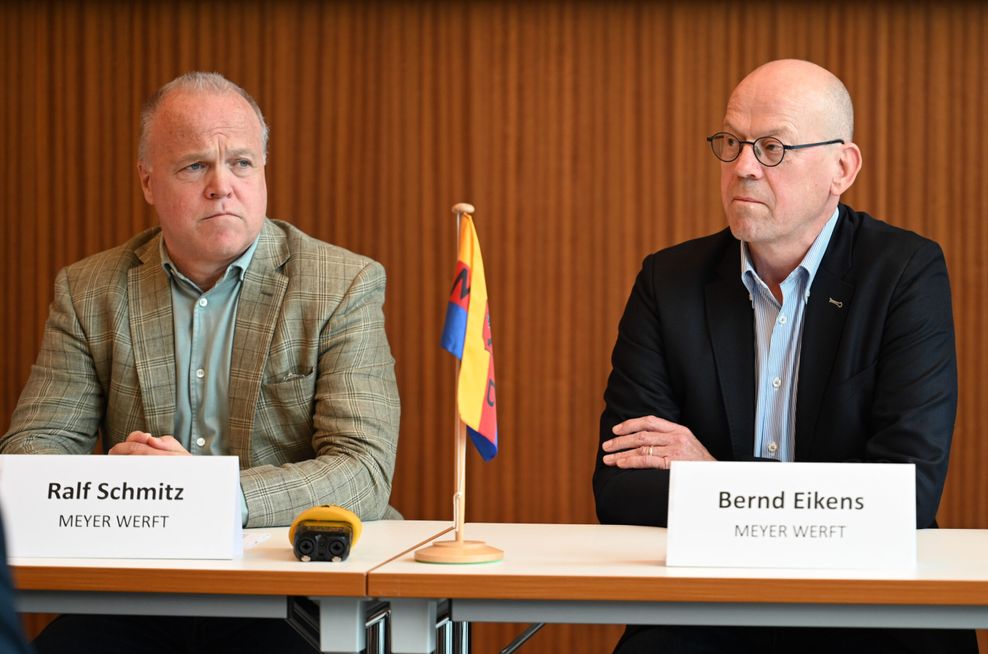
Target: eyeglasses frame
785	148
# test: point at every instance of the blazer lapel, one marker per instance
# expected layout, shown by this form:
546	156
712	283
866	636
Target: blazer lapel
152	337
826	311
732	337
263	291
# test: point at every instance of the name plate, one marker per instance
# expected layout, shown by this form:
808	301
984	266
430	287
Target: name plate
137	507
792	515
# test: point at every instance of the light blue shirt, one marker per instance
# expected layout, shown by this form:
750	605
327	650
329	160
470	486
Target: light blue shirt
778	342
204	324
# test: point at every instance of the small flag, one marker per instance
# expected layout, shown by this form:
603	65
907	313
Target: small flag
467	336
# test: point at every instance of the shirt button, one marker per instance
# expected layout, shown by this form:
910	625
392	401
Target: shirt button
772	447
203	301
776	382
200	373
202	441
782	320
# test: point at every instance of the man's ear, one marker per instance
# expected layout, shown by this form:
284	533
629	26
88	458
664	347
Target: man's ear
848	166
144	173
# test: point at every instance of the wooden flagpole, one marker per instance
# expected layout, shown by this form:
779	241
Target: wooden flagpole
459	550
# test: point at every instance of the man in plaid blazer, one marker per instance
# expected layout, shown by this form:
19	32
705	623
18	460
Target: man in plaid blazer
219	332
311	398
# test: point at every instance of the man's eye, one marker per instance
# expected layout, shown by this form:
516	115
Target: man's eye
196	167
244	163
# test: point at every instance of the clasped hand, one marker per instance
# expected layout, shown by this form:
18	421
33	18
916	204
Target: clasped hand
651	442
142	443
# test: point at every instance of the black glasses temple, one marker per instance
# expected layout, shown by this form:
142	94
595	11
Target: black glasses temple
812	145
711	138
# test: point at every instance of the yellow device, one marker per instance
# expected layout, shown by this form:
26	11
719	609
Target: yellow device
324	533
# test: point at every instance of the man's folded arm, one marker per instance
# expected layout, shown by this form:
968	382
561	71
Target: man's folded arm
638	386
355	420
60	407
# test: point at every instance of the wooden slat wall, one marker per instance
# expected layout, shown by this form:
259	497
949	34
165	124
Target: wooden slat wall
575	128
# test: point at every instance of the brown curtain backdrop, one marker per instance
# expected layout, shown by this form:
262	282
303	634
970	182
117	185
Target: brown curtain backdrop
577	129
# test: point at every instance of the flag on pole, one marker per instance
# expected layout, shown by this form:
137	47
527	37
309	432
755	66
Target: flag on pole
467	336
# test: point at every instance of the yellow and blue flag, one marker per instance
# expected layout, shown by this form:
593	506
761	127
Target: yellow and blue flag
467	336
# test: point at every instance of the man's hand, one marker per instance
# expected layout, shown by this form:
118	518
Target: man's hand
652	442
142	443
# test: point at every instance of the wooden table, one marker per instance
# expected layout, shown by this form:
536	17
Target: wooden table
612	574
258	585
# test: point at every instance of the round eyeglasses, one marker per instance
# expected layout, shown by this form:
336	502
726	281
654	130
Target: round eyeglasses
768	150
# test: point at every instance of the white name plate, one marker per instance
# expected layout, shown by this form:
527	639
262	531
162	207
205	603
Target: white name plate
137	507
792	515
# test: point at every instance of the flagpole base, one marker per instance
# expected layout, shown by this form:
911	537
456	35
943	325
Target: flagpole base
451	551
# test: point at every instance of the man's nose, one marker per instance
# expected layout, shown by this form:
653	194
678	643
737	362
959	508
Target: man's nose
219	185
747	164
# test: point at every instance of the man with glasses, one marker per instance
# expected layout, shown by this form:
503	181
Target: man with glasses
806	331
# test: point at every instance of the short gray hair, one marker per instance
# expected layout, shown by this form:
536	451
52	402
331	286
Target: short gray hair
194	81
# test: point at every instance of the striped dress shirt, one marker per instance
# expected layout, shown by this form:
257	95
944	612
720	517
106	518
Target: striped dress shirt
778	342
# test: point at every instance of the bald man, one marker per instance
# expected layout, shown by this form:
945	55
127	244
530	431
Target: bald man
805	331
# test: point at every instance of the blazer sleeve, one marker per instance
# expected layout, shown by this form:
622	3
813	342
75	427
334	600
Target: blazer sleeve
638	386
355	420
914	401
60	408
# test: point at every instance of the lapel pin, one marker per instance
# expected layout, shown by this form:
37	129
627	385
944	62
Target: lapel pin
839	305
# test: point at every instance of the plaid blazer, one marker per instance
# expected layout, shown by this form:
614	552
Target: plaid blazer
314	408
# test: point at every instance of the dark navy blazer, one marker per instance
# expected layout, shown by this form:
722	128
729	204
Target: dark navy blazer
877	371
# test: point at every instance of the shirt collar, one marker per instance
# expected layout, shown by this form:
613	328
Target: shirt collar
810	263
237	267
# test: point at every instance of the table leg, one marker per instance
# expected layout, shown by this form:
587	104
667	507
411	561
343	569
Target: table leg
341	625
413	626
